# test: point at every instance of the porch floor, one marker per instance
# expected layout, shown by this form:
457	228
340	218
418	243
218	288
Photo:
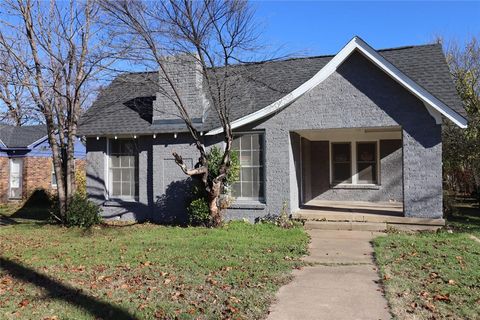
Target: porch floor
388	213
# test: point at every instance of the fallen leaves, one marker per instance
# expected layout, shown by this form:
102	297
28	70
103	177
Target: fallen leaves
23	303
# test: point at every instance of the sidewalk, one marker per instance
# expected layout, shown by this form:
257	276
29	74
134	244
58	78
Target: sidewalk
342	284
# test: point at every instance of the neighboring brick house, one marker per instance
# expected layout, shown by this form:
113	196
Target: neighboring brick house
359	131
26	161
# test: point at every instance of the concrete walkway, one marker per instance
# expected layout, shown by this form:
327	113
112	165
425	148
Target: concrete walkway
341	285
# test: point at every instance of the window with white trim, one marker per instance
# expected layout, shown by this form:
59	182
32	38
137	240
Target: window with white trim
341	162
123	169
250	148
354	163
367	162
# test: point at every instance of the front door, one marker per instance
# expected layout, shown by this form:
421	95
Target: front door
15	191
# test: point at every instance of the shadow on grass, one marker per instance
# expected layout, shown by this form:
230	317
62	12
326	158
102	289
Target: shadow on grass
37	207
59	291
466	218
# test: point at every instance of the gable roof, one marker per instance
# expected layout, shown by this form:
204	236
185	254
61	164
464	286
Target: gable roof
21	137
261	85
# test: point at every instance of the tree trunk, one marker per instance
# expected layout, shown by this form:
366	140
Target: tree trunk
213	197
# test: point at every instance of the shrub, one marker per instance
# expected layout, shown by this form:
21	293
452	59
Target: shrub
198	212
80	213
81	182
214	157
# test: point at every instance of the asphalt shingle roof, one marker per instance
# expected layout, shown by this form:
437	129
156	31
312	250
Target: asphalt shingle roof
124	107
21	137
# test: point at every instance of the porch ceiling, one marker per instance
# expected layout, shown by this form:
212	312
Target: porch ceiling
344	133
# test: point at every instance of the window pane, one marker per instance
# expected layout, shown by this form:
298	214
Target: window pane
246	174
366	152
247	190
246	142
256	158
236	190
126	189
341	172
257	174
126	161
115	161
258	189
341	152
116	175
236	143
245	158
257	142
367	162
127	175
116	189
366	173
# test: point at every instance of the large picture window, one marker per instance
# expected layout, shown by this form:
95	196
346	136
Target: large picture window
123	169
251	183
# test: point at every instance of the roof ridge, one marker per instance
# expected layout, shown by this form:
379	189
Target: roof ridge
294	58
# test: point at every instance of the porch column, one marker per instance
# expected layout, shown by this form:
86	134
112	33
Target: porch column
422	172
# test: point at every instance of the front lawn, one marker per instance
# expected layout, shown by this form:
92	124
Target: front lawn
144	271
433	275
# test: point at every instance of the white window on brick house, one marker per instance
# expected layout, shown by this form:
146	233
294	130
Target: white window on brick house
123	169
15	179
250	147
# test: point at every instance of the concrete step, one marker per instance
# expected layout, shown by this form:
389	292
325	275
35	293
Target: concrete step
353	226
326	215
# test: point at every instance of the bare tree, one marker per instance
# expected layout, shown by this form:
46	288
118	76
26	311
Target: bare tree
16	108
215	35
57	51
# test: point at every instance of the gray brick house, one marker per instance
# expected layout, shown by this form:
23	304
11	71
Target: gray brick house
361	129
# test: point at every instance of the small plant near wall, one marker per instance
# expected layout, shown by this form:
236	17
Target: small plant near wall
281	220
199	213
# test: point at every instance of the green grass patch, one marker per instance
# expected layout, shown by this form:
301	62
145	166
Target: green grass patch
433	275
145	271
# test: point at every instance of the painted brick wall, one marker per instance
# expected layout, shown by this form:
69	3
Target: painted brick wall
360	95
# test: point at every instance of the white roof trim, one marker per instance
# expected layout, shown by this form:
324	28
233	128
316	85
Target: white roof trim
35	143
355	44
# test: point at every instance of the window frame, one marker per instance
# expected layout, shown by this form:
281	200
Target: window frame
109	177
377	162
353	166
21	176
332	180
263	166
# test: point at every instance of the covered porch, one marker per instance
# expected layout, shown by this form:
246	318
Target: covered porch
351	175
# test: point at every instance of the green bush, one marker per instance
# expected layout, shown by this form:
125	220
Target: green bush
80	213
198	212
214	158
